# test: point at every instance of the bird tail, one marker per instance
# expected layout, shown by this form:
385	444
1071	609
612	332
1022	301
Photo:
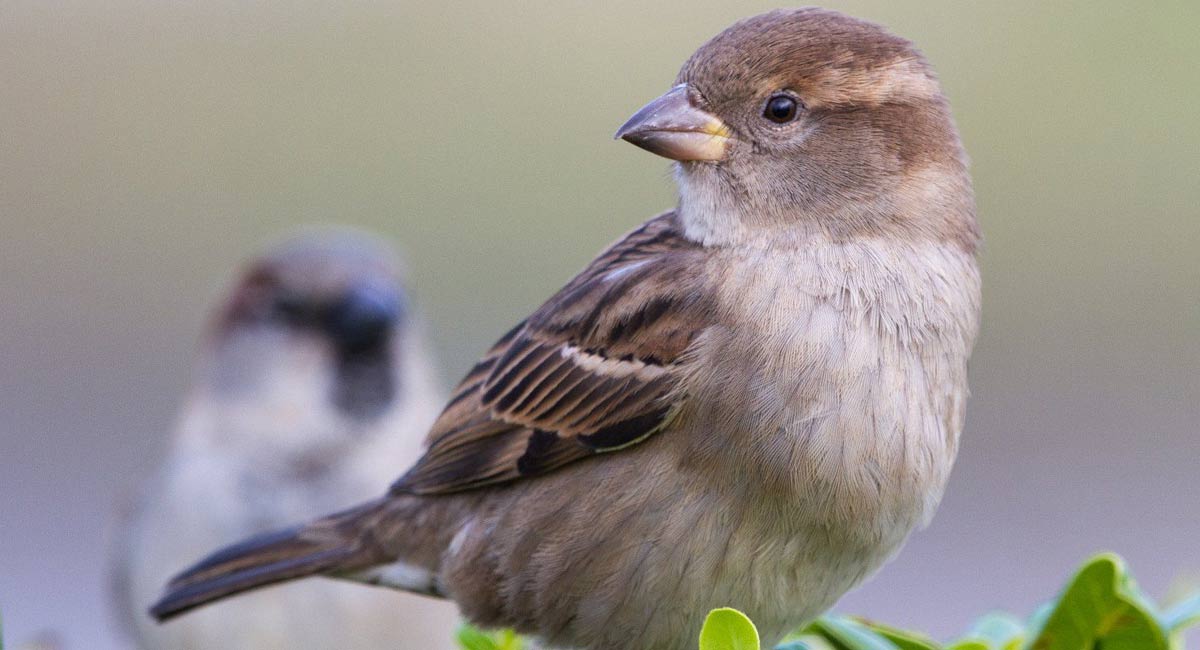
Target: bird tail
344	542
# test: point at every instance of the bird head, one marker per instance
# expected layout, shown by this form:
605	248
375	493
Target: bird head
810	119
326	309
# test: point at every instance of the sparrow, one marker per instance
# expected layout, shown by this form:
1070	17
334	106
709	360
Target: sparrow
748	401
313	383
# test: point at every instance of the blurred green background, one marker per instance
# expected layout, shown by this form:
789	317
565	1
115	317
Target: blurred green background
146	148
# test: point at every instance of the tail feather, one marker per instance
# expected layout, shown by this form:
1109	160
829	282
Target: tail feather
335	544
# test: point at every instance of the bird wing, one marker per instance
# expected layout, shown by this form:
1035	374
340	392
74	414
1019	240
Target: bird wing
595	369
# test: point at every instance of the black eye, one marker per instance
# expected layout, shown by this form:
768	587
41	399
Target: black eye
780	109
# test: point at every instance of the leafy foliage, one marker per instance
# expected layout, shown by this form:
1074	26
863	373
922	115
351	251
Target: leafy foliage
471	638
728	629
1101	608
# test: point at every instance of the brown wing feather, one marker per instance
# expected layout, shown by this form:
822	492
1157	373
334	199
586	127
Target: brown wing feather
595	369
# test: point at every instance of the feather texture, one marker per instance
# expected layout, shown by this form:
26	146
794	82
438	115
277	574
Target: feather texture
597	368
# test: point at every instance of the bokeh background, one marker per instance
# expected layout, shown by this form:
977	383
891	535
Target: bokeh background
147	147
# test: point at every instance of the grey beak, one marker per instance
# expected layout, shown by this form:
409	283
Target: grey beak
671	126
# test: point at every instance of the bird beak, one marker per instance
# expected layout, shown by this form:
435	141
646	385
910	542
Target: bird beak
671	126
365	316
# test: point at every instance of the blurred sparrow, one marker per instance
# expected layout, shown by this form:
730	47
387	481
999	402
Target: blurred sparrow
748	401
313	385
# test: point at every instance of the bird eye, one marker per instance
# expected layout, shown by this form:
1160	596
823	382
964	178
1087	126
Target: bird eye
780	109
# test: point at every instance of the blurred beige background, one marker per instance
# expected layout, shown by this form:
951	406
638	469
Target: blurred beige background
147	147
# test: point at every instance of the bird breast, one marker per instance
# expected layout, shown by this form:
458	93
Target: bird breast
854	363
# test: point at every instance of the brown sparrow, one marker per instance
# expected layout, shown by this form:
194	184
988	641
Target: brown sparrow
748	401
314	383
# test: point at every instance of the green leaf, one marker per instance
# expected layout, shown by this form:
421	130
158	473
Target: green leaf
1100	608
1038	619
1182	615
848	634
803	641
728	629
806	643
994	631
1178	618
902	639
997	628
472	638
